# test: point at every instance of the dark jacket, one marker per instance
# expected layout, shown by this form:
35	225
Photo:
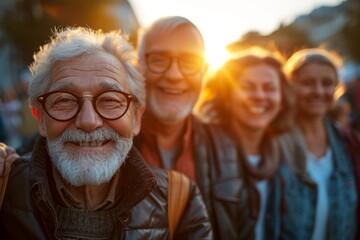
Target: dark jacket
31	207
219	176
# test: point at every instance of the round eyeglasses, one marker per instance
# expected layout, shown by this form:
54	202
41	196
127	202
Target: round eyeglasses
159	62
64	106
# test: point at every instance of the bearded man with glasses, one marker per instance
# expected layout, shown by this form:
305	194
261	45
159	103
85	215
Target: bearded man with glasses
172	54
84	179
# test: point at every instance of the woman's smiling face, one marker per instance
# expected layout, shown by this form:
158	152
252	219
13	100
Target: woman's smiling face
256	99
314	87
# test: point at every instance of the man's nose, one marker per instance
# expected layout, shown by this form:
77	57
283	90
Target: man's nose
88	119
174	73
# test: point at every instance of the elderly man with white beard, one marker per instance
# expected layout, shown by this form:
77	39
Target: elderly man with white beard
84	179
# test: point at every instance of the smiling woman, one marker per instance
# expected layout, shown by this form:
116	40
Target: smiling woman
249	99
315	153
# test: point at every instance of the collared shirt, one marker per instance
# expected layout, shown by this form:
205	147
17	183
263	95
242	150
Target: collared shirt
73	199
184	162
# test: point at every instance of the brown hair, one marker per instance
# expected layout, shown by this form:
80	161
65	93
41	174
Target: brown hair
217	88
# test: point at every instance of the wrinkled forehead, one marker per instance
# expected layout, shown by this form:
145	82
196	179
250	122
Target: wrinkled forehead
98	68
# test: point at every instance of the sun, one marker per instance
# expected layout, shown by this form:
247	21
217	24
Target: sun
216	53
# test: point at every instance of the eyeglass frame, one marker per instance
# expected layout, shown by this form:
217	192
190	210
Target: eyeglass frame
42	100
171	61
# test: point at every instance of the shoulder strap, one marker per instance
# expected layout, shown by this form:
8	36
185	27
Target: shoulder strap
3	181
178	195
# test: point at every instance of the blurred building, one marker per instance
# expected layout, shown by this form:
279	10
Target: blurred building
335	28
27	24
324	26
104	14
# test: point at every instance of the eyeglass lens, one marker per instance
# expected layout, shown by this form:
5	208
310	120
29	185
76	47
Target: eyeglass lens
64	106
188	64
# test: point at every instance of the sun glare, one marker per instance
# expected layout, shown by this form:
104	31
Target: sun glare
216	56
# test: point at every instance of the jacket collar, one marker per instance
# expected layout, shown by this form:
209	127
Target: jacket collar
138	175
294	150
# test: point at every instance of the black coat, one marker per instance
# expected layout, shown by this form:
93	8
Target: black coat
30	205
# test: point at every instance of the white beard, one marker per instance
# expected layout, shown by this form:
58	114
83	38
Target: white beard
82	168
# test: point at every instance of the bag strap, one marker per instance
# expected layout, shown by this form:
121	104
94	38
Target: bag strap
178	196
4	180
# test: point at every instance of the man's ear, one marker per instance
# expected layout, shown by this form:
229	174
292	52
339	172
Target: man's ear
39	117
137	121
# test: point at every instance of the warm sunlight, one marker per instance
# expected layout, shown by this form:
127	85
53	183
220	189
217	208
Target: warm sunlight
216	55
225	22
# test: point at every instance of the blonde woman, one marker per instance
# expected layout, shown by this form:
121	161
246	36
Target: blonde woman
320	190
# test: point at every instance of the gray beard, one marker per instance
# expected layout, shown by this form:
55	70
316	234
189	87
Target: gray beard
82	168
155	107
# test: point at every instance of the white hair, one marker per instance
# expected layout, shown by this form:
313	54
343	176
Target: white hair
78	41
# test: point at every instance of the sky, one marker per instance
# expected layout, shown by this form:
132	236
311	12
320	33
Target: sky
224	21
